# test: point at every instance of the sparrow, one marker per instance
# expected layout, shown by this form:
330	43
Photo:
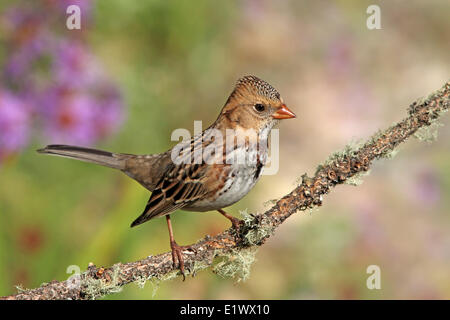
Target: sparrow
212	170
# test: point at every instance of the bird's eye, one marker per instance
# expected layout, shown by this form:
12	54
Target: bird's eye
259	107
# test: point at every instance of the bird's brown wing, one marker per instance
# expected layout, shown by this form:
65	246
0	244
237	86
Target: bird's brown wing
184	183
147	169
181	185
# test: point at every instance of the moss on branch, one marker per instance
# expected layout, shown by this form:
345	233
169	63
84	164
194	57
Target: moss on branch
231	253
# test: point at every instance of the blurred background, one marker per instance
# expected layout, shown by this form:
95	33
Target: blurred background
137	70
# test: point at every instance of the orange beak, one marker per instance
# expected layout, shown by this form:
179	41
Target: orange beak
283	113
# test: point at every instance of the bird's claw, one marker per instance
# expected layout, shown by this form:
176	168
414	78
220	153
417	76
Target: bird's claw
177	255
236	223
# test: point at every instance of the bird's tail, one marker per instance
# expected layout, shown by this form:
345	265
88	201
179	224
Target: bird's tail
104	158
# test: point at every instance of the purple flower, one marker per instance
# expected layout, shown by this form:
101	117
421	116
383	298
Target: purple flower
79	117
14	124
73	65
85	7
56	80
109	112
68	117
27	40
22	21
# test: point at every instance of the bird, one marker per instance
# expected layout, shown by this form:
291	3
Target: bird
206	172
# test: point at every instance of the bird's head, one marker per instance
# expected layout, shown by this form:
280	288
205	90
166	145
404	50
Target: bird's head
254	104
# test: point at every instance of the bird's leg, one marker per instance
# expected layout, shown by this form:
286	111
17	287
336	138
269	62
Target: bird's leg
234	221
177	251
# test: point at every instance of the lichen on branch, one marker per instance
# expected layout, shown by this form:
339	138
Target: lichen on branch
231	253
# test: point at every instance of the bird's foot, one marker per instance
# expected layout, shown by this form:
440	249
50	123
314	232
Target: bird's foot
177	255
234	221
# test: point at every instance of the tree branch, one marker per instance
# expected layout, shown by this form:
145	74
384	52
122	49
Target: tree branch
230	253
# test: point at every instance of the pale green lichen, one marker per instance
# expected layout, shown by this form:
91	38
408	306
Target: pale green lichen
311	210
94	288
357	179
169	276
20	288
270	203
257	228
155	286
429	133
155	281
349	150
140	281
236	264
246	217
198	266
391	154
438	94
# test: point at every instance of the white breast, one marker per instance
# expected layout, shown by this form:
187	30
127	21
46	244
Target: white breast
239	183
241	178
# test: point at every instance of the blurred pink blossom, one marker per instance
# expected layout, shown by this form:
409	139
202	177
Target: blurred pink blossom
67	93
14	124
